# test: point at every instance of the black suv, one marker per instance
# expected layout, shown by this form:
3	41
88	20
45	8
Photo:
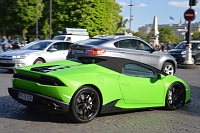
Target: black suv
179	52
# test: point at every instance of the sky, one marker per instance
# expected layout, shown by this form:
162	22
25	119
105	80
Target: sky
143	11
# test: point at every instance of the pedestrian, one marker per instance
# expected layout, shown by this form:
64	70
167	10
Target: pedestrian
169	46
5	44
175	44
162	46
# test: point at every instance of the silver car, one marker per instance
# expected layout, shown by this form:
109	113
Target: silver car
130	47
34	53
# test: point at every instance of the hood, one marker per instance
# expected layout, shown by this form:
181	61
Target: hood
176	50
18	52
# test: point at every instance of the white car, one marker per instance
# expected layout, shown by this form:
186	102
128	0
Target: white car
35	53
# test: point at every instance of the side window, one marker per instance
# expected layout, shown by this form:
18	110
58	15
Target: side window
127	44
66	45
142	46
117	45
137	70
195	46
58	46
198	46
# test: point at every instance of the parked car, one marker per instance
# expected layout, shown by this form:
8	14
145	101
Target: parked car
130	47
34	53
179	52
88	86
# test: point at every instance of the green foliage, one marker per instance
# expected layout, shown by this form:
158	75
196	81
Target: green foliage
196	35
166	34
121	26
19	13
46	29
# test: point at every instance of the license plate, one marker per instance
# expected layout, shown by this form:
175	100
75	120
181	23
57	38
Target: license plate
25	97
79	51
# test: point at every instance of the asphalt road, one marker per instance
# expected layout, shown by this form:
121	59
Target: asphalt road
16	118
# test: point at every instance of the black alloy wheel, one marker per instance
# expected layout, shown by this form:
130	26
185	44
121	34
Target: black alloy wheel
85	105
175	97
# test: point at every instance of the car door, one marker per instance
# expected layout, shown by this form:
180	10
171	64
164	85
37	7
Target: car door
128	48
60	53
140	85
146	54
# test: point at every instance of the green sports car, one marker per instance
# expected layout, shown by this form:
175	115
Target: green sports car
82	88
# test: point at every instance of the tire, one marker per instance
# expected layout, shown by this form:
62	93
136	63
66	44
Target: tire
168	68
193	60
175	97
38	61
85	105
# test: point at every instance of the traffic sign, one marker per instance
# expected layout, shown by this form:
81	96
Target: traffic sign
189	14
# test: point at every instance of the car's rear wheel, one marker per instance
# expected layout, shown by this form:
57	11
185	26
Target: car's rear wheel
85	105
175	97
38	61
168	68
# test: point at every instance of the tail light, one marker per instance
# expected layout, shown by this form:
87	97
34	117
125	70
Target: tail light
96	51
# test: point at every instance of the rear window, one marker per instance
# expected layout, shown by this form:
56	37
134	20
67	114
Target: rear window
58	38
92	41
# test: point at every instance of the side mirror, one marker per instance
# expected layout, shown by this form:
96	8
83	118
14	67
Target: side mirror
198	47
52	49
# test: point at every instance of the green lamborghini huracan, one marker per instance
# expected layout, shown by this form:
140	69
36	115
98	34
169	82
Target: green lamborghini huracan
82	88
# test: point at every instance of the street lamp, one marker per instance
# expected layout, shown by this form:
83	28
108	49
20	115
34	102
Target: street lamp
36	31
131	16
50	19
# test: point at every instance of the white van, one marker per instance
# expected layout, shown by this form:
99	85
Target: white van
72	35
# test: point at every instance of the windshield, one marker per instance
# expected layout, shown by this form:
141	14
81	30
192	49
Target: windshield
58	38
37	45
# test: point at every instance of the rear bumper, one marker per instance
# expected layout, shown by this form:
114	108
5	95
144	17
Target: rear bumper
40	101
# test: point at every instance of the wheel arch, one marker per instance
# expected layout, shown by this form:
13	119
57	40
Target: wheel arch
39	58
178	83
94	87
172	62
171	85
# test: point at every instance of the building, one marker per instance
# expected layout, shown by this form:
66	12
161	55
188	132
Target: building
179	29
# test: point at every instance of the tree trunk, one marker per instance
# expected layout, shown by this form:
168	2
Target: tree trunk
24	34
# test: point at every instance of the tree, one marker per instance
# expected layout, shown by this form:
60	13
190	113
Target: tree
46	29
26	13
122	24
98	17
196	35
166	34
7	15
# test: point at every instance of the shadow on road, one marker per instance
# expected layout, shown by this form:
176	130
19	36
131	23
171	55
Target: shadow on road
13	110
4	71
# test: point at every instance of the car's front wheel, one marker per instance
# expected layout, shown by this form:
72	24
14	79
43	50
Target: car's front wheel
175	97
38	61
193	60
85	105
168	68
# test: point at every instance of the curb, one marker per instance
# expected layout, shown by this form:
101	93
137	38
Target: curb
188	66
